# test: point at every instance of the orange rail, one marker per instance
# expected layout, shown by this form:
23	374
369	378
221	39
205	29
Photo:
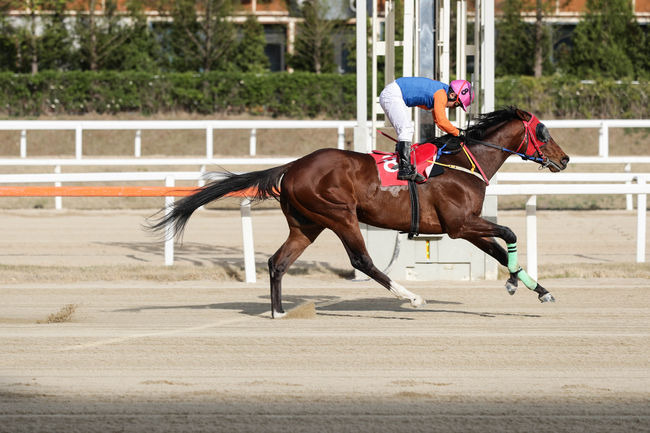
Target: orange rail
108	191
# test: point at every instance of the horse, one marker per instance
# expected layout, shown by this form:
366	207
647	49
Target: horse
338	189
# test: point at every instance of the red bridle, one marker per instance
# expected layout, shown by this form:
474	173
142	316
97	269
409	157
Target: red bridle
530	137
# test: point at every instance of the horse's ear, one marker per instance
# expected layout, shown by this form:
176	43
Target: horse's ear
523	115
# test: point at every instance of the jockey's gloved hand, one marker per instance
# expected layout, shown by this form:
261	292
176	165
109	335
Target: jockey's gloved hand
453	144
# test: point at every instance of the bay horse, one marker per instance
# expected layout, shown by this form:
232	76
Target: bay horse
337	189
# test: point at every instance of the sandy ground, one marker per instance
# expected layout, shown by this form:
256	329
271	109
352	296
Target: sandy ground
204	356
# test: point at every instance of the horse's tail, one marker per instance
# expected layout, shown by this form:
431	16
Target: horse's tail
258	185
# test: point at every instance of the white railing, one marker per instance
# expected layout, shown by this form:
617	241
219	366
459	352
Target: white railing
531	190
641	189
209	126
602	125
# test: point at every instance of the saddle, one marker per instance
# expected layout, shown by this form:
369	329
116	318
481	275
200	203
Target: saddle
423	157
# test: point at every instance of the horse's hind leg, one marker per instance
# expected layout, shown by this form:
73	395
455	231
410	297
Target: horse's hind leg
300	237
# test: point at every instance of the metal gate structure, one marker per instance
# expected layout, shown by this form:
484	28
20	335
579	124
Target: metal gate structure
426	52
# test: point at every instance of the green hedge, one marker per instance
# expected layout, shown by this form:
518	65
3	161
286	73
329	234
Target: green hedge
295	95
570	98
298	95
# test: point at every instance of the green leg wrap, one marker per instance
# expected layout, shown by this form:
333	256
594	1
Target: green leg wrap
514	268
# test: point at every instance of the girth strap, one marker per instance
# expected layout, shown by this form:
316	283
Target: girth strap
415	209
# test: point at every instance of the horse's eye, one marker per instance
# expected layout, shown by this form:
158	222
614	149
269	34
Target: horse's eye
542	133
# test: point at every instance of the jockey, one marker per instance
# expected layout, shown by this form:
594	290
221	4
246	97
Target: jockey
430	95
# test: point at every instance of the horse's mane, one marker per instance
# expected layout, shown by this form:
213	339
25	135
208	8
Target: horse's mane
482	124
488	120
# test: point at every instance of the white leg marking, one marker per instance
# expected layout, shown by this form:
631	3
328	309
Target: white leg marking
400	292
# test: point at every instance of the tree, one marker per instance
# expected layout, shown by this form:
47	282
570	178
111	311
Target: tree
139	51
55	44
101	36
30	48
249	56
314	50
513	42
608	42
201	37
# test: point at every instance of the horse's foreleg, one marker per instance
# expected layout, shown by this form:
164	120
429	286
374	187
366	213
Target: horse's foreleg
299	239
477	234
517	272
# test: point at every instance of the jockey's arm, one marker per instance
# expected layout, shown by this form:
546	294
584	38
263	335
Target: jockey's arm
439	114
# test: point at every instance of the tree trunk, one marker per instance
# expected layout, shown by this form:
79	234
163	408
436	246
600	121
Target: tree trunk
539	36
33	43
92	54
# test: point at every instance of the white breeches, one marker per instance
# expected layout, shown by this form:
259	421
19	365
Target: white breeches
399	115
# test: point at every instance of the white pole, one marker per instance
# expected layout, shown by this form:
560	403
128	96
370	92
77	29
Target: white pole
444	41
138	143
603	140
247	237
409	20
641	223
58	202
169	229
23	143
209	139
628	197
78	142
341	141
361	130
487	56
252	143
531	236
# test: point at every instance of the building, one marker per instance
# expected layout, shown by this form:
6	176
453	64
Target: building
280	20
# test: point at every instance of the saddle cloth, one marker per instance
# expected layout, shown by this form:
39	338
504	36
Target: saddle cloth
387	164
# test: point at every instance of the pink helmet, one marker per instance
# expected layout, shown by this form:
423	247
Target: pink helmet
464	92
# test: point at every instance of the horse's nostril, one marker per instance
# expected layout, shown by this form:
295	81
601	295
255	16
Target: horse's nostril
565	161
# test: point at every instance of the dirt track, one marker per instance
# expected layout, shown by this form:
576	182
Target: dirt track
204	355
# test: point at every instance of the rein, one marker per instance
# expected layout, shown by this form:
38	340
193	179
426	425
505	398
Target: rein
528	138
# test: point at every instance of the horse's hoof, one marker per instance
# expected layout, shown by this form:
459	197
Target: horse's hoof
418	301
546	298
511	288
278	315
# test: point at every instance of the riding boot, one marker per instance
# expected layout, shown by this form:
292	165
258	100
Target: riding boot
406	169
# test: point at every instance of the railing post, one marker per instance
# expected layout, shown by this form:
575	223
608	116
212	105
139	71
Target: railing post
58	202
628	197
23	143
531	236
209	142
78	142
252	143
247	235
641	204
341	142
169	229
603	140
138	144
